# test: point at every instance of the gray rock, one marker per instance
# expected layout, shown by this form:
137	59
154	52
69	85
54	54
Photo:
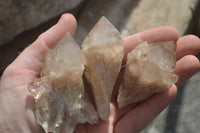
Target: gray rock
182	116
153	13
20	15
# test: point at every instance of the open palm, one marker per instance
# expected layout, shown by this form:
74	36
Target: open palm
17	105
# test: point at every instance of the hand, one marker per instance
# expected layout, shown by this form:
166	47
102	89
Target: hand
17	105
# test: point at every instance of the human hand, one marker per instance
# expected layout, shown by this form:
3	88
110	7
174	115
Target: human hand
17	105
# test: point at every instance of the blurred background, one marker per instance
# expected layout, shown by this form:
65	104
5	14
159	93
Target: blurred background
21	22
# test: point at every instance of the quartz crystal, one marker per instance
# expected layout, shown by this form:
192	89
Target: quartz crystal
63	99
60	98
103	51
149	70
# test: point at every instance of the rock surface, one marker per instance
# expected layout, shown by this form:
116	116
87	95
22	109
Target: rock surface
182	115
103	50
148	70
61	100
154	13
20	15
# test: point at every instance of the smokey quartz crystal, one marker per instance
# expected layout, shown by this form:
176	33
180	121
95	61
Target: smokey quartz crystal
103	51
149	70
60	98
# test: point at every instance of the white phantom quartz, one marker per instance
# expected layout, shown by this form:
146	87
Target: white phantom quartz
103	51
149	70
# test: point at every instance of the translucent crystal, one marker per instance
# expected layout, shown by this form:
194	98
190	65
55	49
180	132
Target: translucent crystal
149	70
103	50
60	98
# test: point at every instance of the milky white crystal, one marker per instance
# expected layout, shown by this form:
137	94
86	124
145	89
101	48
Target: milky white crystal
103	51
149	70
60	98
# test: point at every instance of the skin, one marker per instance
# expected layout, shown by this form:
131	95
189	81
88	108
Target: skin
17	105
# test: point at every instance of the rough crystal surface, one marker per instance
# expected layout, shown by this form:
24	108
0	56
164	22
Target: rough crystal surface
149	70
61	101
103	50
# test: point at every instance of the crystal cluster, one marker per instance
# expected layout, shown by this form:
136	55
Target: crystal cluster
76	85
149	70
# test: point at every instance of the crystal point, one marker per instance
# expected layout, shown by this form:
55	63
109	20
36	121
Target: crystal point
103	51
60	98
148	70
